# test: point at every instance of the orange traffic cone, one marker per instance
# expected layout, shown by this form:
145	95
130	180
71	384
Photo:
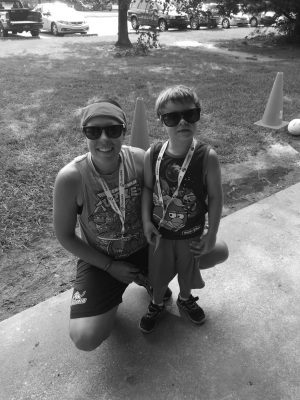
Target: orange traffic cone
272	117
139	131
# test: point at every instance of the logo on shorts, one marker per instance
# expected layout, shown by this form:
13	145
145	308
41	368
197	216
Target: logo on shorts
78	298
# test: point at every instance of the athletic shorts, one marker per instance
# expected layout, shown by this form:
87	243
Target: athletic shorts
96	291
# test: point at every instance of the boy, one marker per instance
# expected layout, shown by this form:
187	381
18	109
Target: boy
182	182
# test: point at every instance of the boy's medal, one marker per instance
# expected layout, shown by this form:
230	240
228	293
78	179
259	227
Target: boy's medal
181	174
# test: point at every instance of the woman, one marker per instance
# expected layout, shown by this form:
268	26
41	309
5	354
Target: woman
102	191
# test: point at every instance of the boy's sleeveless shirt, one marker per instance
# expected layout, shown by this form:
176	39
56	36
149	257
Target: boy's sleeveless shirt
185	216
100	225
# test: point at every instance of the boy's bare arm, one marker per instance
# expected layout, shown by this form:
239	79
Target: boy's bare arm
215	193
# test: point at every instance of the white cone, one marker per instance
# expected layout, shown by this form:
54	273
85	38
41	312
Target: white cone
273	114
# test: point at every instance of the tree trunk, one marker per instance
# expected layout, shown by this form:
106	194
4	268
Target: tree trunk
123	39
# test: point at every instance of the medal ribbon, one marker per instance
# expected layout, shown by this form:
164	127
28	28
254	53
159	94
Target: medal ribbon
181	174
122	209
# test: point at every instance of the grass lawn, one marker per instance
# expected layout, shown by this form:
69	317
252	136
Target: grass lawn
41	96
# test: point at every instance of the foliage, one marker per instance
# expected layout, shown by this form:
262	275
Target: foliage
287	11
186	5
146	41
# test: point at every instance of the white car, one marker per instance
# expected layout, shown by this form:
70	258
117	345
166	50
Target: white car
58	18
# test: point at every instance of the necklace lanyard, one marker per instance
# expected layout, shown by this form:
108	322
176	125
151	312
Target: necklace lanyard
181	174
119	210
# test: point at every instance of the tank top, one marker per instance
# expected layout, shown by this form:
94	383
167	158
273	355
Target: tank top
185	217
100	225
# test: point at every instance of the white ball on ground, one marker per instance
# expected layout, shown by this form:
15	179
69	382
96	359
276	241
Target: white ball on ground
294	127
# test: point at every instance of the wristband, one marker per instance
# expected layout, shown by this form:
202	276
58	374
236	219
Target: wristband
108	265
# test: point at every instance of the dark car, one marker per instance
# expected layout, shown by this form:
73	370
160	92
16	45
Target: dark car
267	18
15	18
157	14
200	18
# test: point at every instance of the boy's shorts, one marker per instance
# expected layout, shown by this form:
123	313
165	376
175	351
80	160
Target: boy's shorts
96	291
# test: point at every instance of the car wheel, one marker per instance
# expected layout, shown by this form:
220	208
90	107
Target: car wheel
225	23
253	22
162	25
54	29
3	32
194	23
134	23
35	33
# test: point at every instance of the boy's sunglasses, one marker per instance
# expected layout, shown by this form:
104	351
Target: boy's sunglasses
112	132
173	118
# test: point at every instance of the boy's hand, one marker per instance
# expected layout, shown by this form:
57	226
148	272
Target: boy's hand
151	233
204	246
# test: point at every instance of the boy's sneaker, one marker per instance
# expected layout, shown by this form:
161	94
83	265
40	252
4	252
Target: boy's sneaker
191	309
149	320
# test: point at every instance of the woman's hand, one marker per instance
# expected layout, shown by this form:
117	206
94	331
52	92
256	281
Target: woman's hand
205	245
123	271
151	233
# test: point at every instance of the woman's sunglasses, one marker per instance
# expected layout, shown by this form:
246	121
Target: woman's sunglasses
112	132
172	119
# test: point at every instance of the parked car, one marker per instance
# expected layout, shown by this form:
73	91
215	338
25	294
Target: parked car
59	19
200	18
15	18
226	21
156	13
267	18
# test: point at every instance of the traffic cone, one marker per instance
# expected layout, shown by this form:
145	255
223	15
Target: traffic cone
272	117
139	131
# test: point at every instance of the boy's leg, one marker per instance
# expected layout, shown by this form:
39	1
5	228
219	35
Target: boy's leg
189	276
161	271
158	294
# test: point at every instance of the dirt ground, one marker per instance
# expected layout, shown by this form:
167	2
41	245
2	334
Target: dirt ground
32	275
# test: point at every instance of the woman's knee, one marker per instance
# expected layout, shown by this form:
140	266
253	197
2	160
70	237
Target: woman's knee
88	333
217	256
87	341
223	251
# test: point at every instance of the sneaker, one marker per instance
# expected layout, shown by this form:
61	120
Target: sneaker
149	320
191	309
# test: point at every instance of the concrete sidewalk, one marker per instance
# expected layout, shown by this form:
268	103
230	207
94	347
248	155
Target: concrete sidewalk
249	348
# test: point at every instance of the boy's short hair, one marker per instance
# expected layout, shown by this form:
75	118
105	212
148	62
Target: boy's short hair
175	94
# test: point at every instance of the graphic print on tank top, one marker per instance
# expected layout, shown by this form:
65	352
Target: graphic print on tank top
108	224
184	207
